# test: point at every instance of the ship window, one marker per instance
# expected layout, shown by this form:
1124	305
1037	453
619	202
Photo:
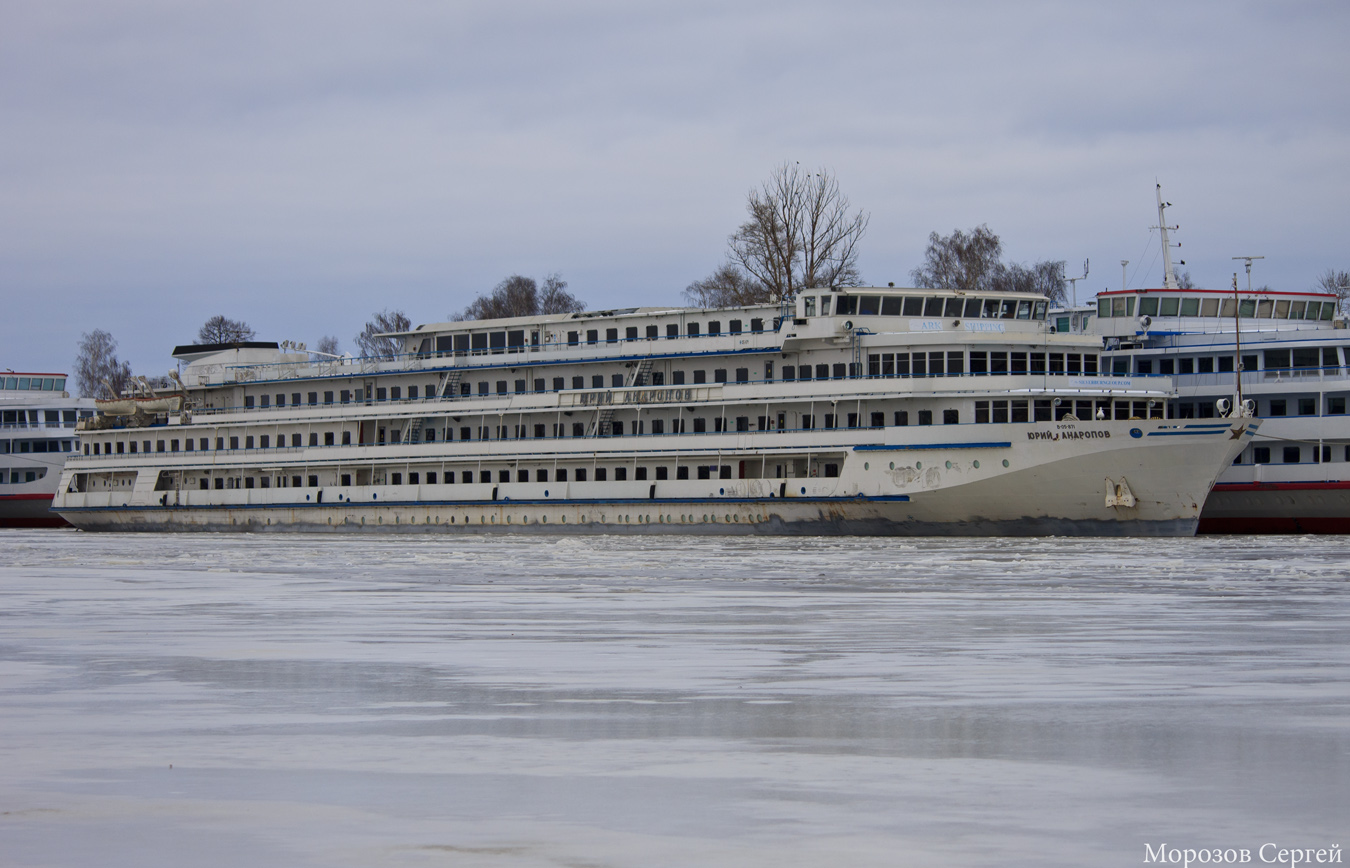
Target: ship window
888	368
822	372
1264	308
692	330
1307	357
1225	364
1277	407
925	417
720	375
220	483
1147	307
204	444
314	438
808	421
652	332
1144	366
580	474
1336	406
672	330
573	338
756	324
954	307
1205	365
1307	406
981	412
1019	412
616	380
700	377
1019	363
497	342
1209	307
735	327
714	327
381	393
466	477
658	426
951	417
847	305
999	412
328	438
612	336
578	429
677	378
234	443
700	425
1190	307
920	361
804	372
1074	363
933	307
1277	359
913	306
1292	454
248	402
869	305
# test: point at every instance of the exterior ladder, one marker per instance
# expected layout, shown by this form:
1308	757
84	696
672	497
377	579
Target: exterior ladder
449	383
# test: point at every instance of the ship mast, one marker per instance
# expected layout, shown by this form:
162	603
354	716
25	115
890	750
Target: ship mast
1169	276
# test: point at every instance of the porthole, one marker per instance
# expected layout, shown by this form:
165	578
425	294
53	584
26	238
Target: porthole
1005	462
563	519
545	492
803	490
918	465
949	465
866	466
976	464
721	491
892	465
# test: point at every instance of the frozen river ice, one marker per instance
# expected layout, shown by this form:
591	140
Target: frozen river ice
329	701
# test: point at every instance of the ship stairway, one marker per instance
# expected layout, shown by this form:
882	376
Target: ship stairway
602	424
641	373
449	384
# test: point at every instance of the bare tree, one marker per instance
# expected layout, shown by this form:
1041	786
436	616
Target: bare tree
372	340
970	261
1044	278
522	296
962	260
800	235
1184	281
98	371
728	286
329	346
1337	283
219	330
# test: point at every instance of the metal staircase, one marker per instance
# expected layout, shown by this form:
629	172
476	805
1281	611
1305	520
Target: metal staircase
604	417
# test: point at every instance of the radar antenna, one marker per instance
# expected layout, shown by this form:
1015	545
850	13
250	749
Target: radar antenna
1073	283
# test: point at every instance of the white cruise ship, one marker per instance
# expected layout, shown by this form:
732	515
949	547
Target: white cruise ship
37	433
859	411
1293	352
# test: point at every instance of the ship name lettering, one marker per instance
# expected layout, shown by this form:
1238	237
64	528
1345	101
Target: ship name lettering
1068	435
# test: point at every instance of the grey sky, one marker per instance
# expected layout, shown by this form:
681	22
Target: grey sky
301	165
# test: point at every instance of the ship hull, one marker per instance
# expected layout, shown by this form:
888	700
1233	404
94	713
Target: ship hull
1037	485
29	510
1277	508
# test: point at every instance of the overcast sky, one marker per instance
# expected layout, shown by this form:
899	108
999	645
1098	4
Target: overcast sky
302	165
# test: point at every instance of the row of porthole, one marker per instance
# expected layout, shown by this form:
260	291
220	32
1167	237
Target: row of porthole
918	465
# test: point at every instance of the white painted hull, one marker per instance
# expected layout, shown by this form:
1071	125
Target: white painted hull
921	481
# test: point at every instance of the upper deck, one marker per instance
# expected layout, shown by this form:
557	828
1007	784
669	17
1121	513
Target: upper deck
817	318
1159	312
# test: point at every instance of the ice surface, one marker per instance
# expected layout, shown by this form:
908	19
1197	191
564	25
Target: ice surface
314	700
